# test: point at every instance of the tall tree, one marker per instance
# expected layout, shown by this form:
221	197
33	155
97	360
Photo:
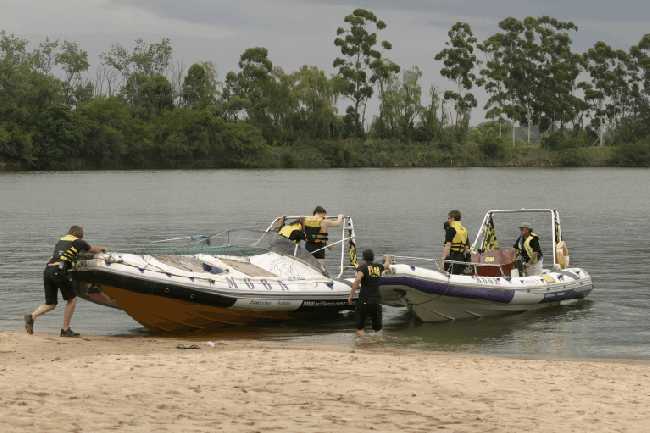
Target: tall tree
316	97
144	58
74	62
459	62
200	87
610	91
360	64
530	73
249	91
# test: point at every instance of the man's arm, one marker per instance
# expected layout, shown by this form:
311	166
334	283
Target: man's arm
450	232
84	246
355	285
333	223
388	260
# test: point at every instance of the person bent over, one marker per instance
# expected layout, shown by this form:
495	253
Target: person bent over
369	301
55	279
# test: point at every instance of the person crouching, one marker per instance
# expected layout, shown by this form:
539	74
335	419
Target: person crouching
369	300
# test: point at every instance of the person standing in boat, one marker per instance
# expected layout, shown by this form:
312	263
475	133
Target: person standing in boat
316	228
369	301
55	279
531	259
456	243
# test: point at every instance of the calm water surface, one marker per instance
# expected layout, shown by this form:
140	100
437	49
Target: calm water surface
605	220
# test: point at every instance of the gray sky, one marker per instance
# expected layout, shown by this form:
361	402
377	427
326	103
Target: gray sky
298	32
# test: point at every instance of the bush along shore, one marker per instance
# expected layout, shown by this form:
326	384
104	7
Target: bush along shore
139	111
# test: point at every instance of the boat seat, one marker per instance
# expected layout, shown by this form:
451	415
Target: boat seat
504	257
186	263
247	268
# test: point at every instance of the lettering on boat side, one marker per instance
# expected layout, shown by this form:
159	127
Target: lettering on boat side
310	303
267	304
232	284
488	280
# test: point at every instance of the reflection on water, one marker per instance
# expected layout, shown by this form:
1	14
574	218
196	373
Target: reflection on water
604	215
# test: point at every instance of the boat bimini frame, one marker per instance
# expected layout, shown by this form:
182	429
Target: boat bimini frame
475	247
556	227
347	237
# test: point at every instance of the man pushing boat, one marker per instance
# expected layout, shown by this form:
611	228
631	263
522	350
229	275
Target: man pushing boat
55	279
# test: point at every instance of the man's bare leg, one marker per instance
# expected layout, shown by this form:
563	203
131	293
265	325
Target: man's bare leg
29	318
42	309
68	312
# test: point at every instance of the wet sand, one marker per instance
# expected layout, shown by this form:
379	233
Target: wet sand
144	384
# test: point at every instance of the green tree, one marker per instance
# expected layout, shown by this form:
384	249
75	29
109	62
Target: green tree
360	64
149	95
459	63
609	93
74	62
200	86
250	91
144	58
530	73
316	96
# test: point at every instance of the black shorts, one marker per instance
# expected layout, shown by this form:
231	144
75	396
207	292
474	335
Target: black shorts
313	247
364	309
55	279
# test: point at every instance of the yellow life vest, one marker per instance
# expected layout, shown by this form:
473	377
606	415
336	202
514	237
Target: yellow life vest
532	259
65	251
290	228
313	231
459	242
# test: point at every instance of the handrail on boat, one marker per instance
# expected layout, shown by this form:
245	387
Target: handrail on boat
440	263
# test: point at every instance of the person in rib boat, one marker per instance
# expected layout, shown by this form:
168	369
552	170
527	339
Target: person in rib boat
316	228
530	259
456	243
55	279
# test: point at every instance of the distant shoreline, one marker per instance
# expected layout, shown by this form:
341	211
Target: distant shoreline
383	155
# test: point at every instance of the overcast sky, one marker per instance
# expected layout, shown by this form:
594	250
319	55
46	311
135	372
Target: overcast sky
298	32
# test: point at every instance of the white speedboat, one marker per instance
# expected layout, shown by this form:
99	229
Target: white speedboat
490	286
267	277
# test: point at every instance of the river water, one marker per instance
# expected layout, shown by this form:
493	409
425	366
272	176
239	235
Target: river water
604	215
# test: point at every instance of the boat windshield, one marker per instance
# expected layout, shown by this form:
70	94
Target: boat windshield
234	242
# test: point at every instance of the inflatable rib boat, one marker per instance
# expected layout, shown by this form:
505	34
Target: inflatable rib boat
270	279
490	286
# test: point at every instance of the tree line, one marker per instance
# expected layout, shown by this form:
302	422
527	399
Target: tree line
143	110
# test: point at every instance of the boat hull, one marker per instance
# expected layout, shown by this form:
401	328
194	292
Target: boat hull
436	297
168	300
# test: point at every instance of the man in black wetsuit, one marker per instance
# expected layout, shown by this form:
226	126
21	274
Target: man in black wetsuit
55	279
369	301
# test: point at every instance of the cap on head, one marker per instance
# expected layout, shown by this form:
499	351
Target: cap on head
76	231
319	210
368	255
526	226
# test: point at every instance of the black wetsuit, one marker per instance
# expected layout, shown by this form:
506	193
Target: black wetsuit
369	302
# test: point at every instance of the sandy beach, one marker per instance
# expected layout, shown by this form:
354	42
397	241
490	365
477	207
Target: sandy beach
144	384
